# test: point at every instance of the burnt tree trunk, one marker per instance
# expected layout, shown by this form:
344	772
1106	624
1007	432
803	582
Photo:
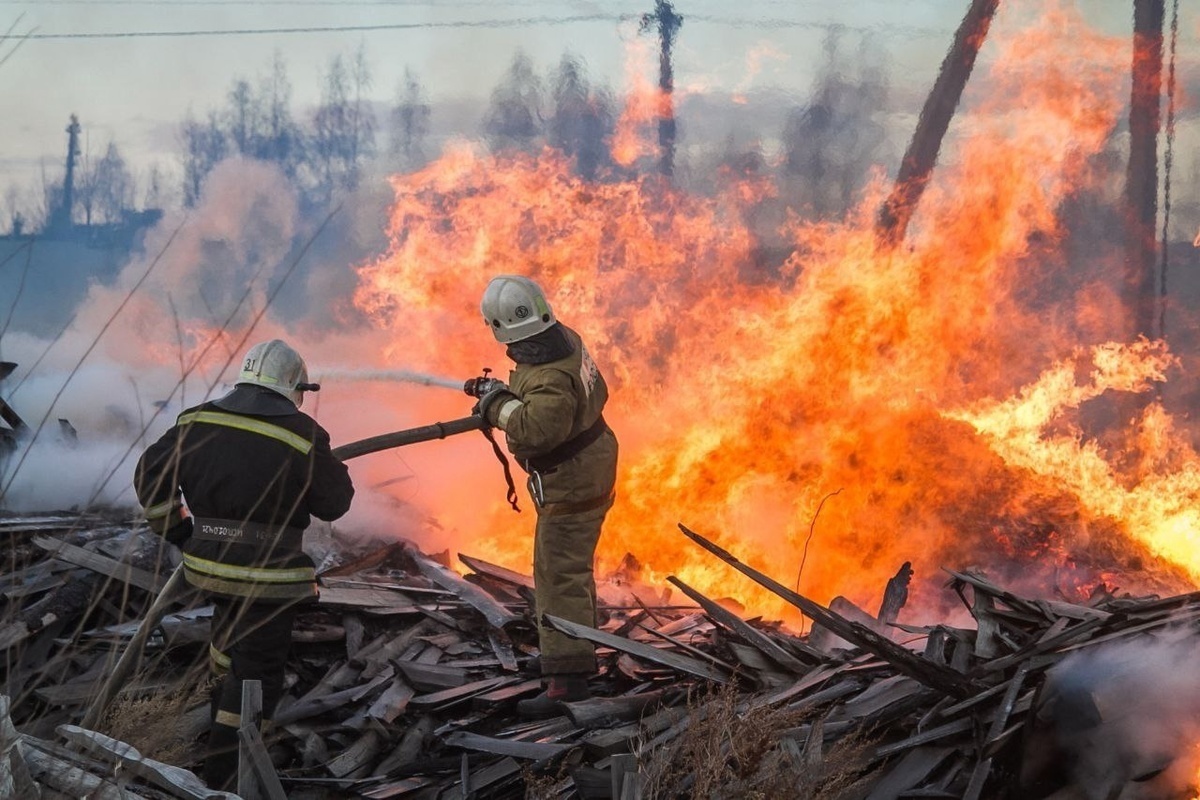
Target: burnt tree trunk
1141	180
935	117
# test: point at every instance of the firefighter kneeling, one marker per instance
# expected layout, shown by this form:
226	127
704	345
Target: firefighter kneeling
551	414
253	469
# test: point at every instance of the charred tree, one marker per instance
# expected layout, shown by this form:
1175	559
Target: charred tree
514	119
922	152
581	121
1141	181
410	119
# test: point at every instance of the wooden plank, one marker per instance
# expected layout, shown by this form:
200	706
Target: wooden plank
1081	632
357	756
393	702
978	777
826	695
449	697
249	787
43	584
73	781
15	779
604	712
895	594
432	677
622	765
175	780
930	673
983	585
399	788
37	524
379	658
361	597
411	745
911	770
496	572
751	635
484	779
511	692
987	628
1073	611
932	735
813	678
880	695
492	610
687	648
529	751
256	773
372	559
961	706
310	705
104	565
502	646
644	651
1174	619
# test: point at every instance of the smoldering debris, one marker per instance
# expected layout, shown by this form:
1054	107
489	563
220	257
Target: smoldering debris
403	679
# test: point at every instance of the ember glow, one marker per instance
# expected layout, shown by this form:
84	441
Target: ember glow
934	385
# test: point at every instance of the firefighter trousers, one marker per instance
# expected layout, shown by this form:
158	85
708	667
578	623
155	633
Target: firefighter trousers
250	641
564	549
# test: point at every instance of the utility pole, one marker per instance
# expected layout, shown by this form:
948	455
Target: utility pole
668	23
1141	178
60	217
922	152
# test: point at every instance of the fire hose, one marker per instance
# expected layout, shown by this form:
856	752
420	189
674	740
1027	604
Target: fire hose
175	583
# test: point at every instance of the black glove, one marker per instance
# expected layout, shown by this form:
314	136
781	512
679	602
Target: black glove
489	405
179	532
478	387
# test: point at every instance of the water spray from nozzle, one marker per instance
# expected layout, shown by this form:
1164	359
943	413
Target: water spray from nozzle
401	375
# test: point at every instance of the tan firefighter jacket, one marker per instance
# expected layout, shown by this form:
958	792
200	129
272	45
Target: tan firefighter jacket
560	409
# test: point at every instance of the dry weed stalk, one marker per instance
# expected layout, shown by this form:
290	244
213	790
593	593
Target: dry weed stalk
154	723
727	750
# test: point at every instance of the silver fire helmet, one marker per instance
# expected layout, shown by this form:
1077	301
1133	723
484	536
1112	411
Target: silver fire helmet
515	308
276	366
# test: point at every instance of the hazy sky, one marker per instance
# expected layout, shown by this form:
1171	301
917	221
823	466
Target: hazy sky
135	89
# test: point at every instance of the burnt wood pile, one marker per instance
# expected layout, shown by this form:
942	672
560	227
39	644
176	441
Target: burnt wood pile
403	680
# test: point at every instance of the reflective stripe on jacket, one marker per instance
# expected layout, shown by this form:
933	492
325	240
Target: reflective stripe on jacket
276	471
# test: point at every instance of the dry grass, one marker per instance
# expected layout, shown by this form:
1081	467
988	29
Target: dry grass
541	785
727	752
154	724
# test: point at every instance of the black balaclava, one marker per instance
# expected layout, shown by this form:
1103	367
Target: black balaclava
542	348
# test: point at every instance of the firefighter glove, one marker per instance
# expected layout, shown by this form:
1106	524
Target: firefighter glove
179	532
492	403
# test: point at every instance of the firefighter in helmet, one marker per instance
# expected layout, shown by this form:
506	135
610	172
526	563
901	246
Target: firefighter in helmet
551	413
252	470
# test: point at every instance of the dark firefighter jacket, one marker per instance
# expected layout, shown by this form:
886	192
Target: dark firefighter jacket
251	483
557	429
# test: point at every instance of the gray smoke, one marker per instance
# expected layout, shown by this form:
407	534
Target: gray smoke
1122	717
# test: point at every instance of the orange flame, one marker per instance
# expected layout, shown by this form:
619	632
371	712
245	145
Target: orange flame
742	397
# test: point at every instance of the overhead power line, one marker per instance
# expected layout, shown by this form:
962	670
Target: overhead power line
512	22
397	26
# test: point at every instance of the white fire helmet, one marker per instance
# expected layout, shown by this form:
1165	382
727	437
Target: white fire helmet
515	308
276	366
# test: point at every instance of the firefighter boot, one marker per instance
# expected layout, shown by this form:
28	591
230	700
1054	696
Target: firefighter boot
566	688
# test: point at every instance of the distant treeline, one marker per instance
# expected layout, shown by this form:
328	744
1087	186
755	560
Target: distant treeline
826	146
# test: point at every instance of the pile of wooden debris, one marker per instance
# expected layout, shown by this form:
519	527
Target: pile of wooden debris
403	680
